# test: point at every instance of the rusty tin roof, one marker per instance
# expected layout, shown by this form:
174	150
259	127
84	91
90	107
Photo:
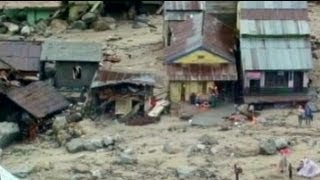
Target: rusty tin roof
201	31
29	4
105	78
38	98
21	55
222	72
184	5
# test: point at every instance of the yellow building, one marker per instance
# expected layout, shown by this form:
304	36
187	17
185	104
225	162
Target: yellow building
199	56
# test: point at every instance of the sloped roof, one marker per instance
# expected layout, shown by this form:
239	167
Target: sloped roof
276	54
29	4
105	78
38	98
71	51
23	56
202	31
273	18
184	5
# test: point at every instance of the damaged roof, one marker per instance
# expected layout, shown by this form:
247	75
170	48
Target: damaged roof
201	31
38	98
184	5
29	4
71	51
21	55
105	78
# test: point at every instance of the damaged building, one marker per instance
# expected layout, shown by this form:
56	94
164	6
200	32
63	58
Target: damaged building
75	63
122	94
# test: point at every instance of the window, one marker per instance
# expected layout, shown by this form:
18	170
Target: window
276	79
200	56
77	72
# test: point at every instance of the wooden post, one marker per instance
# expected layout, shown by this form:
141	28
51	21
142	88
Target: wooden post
290	171
237	171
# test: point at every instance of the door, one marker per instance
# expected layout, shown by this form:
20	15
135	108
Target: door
298	82
254	86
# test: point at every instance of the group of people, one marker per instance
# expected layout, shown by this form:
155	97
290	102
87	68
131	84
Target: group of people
205	101
305	114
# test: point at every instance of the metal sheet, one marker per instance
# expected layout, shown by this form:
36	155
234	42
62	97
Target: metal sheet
223	72
38	98
71	51
201	32
274	27
273	4
21	55
274	14
184	5
221	7
276	54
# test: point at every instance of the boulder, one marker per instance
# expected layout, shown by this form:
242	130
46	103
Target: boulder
74	117
75	145
89	17
63	137
170	148
76	11
268	147
58	25
281	143
92	144
60	123
81	168
22	171
201	147
78	25
108	141
125	158
8	133
208	140
100	25
25	30
12	28
41	26
185	171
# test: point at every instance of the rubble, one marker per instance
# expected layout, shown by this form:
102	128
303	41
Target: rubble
80	25
93	144
89	17
23	170
208	140
58	25
125	158
185	171
75	145
9	132
12	28
170	148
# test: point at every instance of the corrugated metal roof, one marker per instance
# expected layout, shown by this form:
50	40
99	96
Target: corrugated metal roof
105	78
29	4
222	72
274	27
221	7
23	56
273	4
184	5
71	51
200	32
276	54
38	98
274	14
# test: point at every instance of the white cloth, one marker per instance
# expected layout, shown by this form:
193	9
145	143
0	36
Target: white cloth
309	169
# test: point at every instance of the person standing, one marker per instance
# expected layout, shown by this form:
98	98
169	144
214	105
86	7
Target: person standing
301	114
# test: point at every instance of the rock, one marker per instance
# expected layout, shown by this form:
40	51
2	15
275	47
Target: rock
128	151
126	159
186	116
268	147
201	147
9	132
138	25
224	128
41	26
96	174
76	10
47	33
142	18
100	25
45	165
58	25
78	25
281	143
208	140
213	150
3	29
82	177
81	168
243	109
74	117
185	171
170	148
25	30
63	137
89	17
12	28
92	144
246	150
60	123
75	145
23	170
108	141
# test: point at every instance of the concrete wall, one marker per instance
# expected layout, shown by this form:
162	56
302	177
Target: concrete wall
64	74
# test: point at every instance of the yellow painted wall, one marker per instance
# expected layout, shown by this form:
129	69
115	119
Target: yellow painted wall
208	58
190	87
175	92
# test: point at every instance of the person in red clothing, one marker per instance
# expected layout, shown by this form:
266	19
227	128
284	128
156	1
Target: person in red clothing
153	102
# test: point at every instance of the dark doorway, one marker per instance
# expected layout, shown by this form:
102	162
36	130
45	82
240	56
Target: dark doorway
298	82
254	86
183	92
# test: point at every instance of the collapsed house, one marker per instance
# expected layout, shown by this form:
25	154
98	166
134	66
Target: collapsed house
75	63
122	94
275	50
20	60
200	55
32	10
